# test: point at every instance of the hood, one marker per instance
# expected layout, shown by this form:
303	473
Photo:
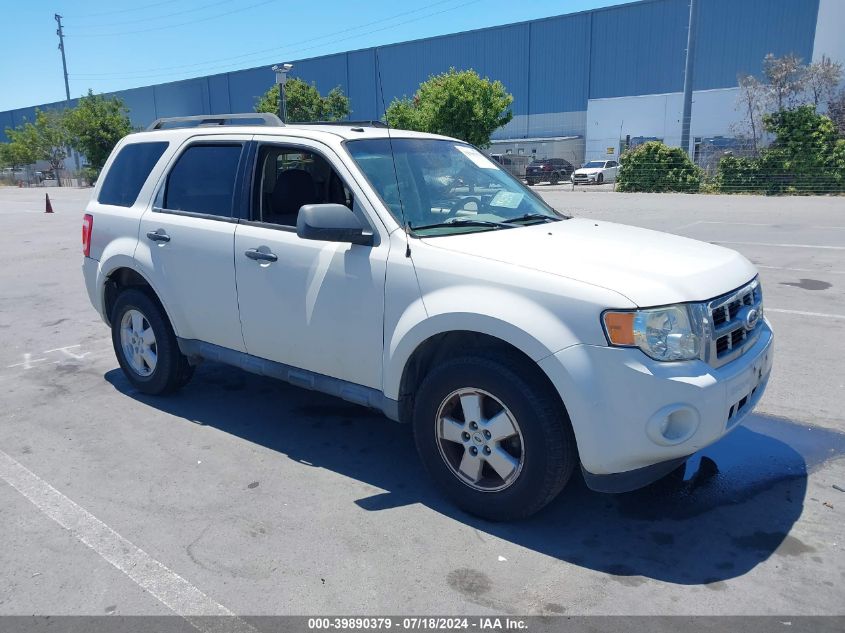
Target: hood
588	170
648	267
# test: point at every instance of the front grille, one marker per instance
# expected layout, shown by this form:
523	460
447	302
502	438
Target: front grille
735	323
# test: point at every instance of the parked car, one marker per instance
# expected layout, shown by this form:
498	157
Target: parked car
519	344
551	170
596	172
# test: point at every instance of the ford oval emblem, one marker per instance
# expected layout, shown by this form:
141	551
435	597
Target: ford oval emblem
751	318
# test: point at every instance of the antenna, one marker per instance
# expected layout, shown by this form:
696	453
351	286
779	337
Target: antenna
405	225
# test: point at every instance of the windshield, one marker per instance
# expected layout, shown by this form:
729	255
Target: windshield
446	187
594	163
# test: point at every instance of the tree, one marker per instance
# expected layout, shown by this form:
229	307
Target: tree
304	102
46	139
836	111
786	77
16	154
95	126
822	77
456	103
751	101
807	156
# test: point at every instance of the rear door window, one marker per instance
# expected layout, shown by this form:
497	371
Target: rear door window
128	173
203	180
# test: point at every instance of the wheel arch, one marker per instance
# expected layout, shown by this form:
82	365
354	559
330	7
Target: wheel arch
121	276
439	346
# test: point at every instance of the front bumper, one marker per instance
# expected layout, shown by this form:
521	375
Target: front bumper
635	418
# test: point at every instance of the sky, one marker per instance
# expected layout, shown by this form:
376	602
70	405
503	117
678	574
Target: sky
117	44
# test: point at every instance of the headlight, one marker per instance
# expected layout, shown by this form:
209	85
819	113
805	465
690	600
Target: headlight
662	333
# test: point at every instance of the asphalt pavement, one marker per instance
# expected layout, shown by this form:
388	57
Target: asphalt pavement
246	496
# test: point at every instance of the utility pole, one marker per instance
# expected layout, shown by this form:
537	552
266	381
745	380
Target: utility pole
688	72
61	33
282	71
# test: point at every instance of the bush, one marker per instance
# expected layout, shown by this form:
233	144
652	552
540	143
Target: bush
738	174
656	167
807	157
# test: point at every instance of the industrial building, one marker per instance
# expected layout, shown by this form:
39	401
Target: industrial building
581	82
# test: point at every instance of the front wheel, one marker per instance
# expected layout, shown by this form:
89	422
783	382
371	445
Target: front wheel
494	438
146	346
555	179
600	179
531	182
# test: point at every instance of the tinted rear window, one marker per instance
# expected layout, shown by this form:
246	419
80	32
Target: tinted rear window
129	172
203	180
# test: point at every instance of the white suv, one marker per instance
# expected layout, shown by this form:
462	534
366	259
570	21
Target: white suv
409	273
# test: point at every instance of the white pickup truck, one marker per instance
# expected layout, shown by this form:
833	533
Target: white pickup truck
409	273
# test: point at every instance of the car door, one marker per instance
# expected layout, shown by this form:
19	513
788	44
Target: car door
311	304
611	170
186	240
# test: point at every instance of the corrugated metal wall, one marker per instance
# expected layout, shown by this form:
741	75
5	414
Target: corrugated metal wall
551	66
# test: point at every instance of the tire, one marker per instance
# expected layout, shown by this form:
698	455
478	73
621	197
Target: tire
554	179
531	182
158	368
543	446
599	179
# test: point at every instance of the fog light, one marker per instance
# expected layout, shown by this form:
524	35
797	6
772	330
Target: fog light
673	425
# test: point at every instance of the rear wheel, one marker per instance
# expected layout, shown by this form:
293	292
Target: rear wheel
146	346
496	442
555	178
531	181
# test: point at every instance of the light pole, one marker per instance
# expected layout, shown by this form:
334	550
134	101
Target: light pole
688	71
61	33
282	71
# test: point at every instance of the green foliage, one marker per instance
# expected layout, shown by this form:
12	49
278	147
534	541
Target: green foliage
95	126
46	139
807	157
304	102
738	174
15	153
457	103
656	167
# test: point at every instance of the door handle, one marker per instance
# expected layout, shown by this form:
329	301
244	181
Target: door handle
261	256
155	236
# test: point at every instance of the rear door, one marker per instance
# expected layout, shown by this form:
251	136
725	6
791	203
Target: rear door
186	239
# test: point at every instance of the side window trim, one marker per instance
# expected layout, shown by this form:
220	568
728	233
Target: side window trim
233	217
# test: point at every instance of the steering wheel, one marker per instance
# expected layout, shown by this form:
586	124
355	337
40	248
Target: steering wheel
460	203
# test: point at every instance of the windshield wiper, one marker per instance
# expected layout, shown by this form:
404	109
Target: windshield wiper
530	217
463	222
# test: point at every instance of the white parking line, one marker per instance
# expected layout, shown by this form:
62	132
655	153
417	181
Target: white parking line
804	270
833	248
822	315
167	586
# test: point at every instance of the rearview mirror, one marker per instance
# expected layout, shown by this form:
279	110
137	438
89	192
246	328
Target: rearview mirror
331	223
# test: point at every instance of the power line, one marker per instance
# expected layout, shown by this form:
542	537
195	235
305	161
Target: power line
158	17
127	10
173	26
213	63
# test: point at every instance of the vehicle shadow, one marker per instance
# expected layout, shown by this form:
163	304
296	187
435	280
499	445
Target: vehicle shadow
730	508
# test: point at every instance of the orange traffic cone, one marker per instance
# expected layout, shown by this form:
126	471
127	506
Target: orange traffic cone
49	208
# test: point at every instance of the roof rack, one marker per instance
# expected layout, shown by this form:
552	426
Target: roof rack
365	123
205	120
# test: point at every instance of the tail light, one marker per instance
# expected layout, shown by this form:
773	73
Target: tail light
547	167
87	227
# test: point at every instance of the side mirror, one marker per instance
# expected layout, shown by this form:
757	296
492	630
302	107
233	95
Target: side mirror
331	223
